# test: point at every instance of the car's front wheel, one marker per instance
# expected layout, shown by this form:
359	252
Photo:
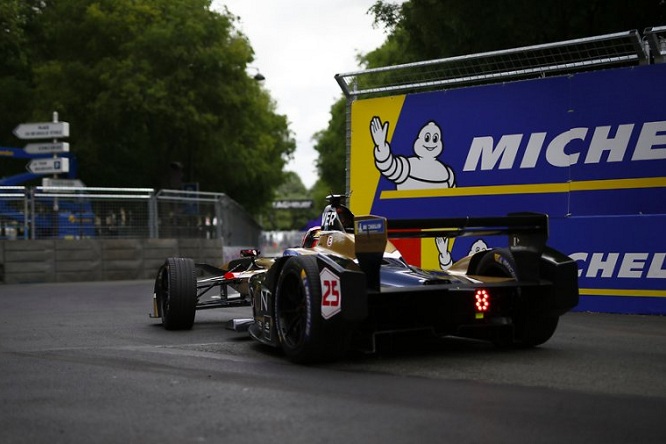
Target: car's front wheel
176	292
305	336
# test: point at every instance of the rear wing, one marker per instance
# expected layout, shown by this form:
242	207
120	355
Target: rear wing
522	228
527	234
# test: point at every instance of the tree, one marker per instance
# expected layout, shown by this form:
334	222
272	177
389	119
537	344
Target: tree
146	83
15	75
331	146
431	29
293	218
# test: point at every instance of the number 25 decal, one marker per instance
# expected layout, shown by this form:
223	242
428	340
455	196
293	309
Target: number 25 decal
331	296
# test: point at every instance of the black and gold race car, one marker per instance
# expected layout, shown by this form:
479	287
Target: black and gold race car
347	285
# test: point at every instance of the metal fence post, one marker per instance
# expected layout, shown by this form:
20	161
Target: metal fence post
26	221
153	217
33	216
219	211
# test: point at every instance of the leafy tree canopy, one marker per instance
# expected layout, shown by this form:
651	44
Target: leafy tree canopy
431	29
290	218
145	85
331	146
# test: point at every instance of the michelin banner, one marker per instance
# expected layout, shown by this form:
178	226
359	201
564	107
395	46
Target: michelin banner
588	149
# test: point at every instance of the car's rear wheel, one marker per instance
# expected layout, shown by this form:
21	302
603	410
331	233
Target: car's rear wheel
303	333
176	291
530	329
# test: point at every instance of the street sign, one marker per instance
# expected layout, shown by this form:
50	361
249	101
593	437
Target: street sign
48	166
46	148
293	204
43	130
48	182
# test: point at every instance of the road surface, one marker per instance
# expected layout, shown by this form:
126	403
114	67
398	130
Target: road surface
82	362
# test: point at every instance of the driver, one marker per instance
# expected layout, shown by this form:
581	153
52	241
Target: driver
337	218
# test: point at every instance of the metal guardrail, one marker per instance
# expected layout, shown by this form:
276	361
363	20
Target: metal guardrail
656	40
13	205
610	50
189	214
91	212
83	212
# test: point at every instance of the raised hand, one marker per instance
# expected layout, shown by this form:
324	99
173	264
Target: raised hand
379	133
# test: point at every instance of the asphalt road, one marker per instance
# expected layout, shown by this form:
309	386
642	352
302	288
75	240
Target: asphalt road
82	363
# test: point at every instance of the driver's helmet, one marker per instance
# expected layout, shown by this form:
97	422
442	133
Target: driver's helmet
311	238
337	218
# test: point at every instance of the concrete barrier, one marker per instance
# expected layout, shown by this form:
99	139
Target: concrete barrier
36	261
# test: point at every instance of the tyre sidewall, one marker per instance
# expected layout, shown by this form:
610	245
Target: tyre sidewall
497	262
179	298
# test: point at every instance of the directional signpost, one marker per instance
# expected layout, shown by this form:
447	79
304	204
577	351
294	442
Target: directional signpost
47	148
40	163
35	151
43	130
48	166
48	182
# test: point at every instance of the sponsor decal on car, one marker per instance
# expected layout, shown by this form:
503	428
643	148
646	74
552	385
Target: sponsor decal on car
371	226
331	296
263	305
505	263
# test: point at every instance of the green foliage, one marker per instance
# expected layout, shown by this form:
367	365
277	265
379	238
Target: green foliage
319	192
331	146
15	75
289	219
146	83
431	29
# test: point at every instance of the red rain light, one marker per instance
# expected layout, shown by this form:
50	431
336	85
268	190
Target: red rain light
482	300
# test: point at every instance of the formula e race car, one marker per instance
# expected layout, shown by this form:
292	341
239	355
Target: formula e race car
347	284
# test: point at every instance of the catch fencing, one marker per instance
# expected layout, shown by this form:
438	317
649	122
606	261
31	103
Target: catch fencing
39	213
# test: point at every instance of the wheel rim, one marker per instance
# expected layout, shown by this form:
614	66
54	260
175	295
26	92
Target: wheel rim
292	312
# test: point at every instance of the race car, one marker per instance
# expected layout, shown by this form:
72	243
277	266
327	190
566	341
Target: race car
347	284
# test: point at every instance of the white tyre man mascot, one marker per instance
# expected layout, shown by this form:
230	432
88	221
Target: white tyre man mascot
421	171
444	249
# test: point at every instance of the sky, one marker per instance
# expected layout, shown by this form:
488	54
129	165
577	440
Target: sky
299	46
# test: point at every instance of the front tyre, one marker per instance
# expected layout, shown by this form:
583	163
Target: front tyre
530	329
305	336
176	291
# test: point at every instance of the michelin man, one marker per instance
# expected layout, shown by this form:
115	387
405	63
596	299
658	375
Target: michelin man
421	171
444	249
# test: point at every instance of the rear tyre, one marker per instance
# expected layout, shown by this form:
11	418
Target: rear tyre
303	333
530	329
176	290
497	263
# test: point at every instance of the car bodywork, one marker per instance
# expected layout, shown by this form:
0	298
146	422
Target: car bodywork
347	284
